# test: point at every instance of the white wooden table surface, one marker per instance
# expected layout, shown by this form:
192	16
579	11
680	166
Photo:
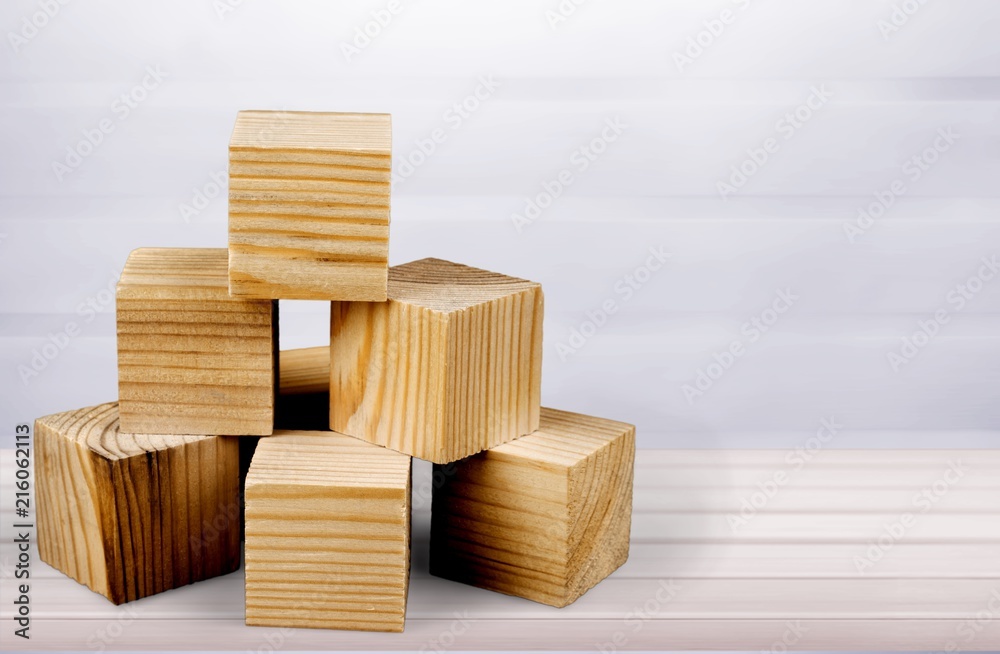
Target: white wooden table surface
788	578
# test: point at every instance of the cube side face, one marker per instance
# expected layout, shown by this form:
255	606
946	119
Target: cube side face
387	375
309	200
303	401
494	373
129	526
259	273
196	366
326	552
71	535
177	517
502	523
305	370
601	516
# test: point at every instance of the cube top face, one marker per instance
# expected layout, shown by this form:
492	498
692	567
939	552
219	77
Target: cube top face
327	533
175	274
309	197
564	439
545	517
445	286
307	130
327	459
96	428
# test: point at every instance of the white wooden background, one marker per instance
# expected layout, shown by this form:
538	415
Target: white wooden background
64	241
787	579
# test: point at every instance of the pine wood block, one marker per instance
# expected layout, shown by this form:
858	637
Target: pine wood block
304	389
305	370
327	533
309	205
449	366
131	515
191	358
545	517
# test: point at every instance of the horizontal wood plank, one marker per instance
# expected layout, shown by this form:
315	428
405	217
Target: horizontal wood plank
690	578
123	633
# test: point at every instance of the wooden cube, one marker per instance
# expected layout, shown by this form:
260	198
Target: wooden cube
304	371
132	515
191	358
449	366
309	205
303	389
327	533
545	517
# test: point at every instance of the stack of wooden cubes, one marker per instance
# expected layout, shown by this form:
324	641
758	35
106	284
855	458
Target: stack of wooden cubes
430	359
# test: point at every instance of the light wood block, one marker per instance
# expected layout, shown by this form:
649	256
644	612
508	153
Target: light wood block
304	389
327	533
305	370
309	205
191	358
449	366
545	517
132	515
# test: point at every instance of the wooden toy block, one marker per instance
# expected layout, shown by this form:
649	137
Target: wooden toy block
304	389
191	358
132	515
449	366
304	371
309	205
545	517
327	533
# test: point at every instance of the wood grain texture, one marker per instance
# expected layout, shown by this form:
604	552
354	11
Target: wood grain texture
545	517
309	205
303	389
133	515
305	370
191	358
327	533
449	366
